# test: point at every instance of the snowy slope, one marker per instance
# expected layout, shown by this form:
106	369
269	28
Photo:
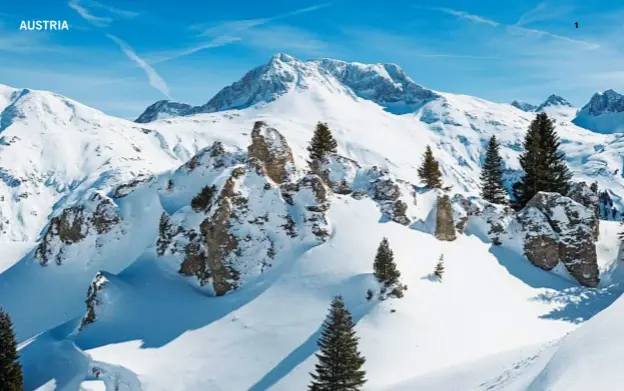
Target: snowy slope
230	343
100	186
53	149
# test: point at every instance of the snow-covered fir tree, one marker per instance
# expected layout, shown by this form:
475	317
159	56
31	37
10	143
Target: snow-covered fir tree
429	170
386	271
542	162
322	142
492	188
439	269
339	366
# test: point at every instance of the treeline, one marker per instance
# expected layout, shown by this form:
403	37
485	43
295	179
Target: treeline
542	163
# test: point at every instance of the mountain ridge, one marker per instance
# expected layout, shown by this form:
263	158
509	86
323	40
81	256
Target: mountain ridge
385	84
214	220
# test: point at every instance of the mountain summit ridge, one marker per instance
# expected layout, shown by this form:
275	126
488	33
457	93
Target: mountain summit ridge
385	84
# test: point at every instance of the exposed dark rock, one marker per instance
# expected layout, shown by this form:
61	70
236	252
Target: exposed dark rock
559	229
126	188
584	195
93	300
271	148
73	225
445	226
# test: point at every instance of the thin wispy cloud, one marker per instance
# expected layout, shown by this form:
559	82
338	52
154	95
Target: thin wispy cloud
281	37
528	17
117	11
99	21
542	12
84	9
232	31
153	77
230	27
156	58
467	16
541	33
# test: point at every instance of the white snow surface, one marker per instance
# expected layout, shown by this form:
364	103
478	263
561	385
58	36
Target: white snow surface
495	322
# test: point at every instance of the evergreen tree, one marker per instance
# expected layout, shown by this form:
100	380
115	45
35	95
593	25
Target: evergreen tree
594	187
543	164
10	368
492	188
429	170
385	269
340	363
439	270
322	142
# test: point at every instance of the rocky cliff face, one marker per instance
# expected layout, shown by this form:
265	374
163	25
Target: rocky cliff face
264	208
604	113
559	229
607	102
584	195
271	150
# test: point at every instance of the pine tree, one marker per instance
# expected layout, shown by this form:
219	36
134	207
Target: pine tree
10	368
340	363
439	269
594	187
322	142
429	170
492	188
543	164
385	269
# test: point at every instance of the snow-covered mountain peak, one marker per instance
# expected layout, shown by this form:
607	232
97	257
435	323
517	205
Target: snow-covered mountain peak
524	106
604	113
607	102
385	84
553	100
163	109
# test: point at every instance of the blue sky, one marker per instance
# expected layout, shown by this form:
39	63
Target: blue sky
120	56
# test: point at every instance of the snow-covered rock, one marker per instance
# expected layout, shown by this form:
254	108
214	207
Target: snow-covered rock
558	229
73	225
259	208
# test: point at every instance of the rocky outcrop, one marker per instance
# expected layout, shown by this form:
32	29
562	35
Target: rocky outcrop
496	217
584	195
338	172
445	226
126	188
393	195
93	299
243	224
270	148
559	229
98	216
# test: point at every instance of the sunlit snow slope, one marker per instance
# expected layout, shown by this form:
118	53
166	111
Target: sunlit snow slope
158	330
